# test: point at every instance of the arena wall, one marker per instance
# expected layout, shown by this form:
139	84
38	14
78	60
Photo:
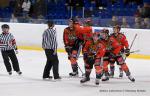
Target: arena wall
29	36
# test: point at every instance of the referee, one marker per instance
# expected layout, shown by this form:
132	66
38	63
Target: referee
49	44
8	53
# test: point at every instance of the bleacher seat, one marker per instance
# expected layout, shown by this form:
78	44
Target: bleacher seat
59	10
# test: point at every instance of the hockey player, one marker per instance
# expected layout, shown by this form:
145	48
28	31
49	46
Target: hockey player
87	30
121	38
113	52
112	46
93	51
9	51
72	44
69	37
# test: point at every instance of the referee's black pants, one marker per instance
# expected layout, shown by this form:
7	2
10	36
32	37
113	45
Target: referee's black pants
10	55
52	61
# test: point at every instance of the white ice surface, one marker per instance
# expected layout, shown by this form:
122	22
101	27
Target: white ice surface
31	84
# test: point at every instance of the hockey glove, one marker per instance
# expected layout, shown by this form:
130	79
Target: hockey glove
68	49
85	55
112	56
127	52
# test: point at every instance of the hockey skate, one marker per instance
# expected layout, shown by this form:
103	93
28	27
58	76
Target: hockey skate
97	81
111	75
106	78
47	78
19	72
10	73
57	78
73	74
121	74
85	79
131	78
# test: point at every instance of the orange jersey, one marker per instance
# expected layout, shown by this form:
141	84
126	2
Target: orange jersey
78	31
96	49
87	32
112	45
121	38
69	36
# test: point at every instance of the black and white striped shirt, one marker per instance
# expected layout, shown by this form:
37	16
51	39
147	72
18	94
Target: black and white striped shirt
49	39
7	42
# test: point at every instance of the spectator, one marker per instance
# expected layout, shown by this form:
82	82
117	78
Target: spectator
138	11
26	7
145	11
146	23
40	8
114	21
18	8
12	3
124	23
13	19
137	22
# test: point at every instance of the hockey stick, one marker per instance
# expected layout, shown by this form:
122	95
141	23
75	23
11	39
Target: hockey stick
132	43
78	55
125	53
79	51
80	70
135	51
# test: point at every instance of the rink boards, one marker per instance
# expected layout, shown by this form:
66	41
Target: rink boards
29	37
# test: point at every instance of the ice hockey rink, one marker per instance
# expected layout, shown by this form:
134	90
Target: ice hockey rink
31	84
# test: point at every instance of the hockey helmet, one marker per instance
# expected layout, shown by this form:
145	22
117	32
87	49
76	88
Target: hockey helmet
117	26
104	34
88	22
96	34
74	20
105	31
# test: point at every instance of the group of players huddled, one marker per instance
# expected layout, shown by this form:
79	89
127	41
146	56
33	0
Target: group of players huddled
99	49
